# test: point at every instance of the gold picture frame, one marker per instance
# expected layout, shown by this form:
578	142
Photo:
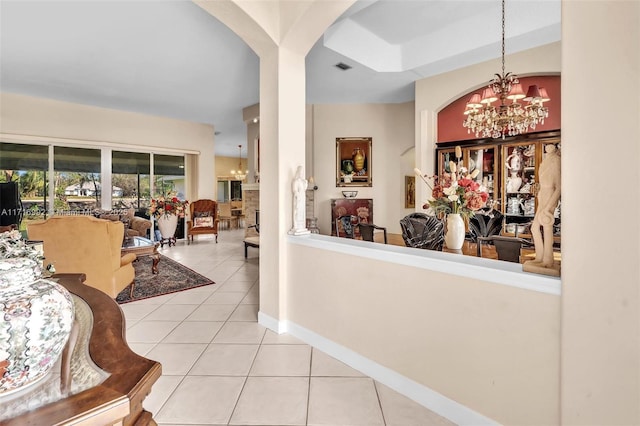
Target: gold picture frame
409	192
353	162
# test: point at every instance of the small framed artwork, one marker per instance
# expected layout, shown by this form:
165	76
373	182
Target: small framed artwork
409	192
353	162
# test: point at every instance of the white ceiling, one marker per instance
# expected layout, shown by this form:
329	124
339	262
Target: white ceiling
173	59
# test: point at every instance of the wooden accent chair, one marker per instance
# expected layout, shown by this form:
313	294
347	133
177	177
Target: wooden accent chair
225	216
237	210
422	231
203	219
85	244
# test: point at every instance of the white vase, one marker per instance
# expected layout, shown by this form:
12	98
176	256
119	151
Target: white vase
167	225
36	316
454	237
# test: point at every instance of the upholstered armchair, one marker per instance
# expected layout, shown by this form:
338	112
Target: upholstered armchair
203	219
85	244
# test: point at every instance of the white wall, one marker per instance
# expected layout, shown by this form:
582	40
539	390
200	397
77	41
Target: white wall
25	118
391	127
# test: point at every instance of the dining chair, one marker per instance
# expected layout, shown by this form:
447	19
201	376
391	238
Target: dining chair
225	216
422	231
346	224
508	248
484	225
237	210
367	231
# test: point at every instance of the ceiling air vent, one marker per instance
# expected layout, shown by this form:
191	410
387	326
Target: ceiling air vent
343	66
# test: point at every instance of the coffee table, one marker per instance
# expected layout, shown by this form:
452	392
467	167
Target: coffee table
141	246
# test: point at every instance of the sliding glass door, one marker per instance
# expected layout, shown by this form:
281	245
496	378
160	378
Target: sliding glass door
77	185
131	179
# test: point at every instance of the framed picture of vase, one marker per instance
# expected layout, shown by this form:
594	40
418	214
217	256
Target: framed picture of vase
353	162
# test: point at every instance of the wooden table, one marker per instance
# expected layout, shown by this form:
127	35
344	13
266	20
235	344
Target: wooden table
116	400
141	246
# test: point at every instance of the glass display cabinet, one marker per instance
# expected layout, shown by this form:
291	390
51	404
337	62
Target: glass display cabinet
519	167
508	169
446	155
484	159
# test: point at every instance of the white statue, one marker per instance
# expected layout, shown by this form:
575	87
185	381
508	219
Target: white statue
543	221
513	163
299	188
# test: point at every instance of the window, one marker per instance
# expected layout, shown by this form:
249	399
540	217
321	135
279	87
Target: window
27	165
77	179
131	180
168	176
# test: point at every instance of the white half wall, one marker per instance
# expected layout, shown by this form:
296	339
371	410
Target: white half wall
492	347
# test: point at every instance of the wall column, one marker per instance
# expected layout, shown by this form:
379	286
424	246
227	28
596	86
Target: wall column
600	376
282	150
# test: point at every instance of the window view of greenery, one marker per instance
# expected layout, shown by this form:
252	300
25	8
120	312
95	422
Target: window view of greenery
77	180
168	172
130	176
26	165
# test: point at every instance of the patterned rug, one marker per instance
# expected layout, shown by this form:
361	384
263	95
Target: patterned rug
172	277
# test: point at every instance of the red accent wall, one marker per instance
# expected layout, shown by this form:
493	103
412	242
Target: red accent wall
450	118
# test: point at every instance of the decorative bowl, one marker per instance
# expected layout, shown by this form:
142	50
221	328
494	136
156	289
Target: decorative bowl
350	194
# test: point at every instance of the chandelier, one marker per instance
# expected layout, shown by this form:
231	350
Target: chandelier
506	119
238	174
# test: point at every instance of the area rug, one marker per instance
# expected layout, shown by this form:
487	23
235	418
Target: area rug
172	277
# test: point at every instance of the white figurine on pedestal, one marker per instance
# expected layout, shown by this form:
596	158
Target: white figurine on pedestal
299	188
513	163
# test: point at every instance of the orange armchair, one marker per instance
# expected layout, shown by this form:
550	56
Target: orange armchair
84	244
203	219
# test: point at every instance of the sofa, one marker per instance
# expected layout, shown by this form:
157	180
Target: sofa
85	244
135	226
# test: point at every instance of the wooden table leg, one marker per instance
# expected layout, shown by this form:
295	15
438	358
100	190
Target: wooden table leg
156	259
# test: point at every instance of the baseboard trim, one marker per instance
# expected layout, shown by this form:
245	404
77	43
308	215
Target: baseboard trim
421	394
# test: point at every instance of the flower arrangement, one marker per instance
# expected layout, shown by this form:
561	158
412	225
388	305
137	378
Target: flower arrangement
167	206
455	192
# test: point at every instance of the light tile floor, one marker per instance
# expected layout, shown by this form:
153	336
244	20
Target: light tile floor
220	367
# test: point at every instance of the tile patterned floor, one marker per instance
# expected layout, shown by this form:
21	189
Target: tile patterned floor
220	367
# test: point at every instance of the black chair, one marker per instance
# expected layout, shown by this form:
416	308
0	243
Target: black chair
484	225
508	248
346	224
422	231
366	231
